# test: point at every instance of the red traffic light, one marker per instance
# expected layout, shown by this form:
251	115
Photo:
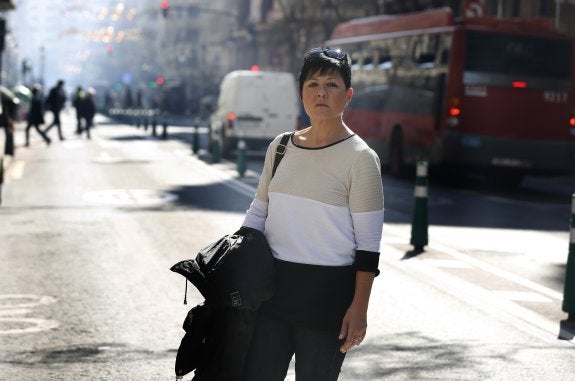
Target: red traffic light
165	5
160	80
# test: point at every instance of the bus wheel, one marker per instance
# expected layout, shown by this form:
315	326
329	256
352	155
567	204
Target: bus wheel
397	166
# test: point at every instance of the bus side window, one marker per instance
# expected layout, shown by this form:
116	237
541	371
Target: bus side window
385	62
370	98
354	63
424	50
368	63
444	57
426	59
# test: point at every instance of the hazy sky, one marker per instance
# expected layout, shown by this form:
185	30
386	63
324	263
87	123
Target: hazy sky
71	33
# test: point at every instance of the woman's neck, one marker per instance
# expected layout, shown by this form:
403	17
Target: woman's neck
322	133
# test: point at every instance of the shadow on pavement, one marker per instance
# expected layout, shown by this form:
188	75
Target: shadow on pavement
216	196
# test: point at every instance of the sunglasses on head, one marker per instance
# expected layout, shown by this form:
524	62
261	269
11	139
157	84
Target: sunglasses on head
337	54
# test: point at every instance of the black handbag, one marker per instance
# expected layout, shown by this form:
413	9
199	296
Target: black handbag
235	275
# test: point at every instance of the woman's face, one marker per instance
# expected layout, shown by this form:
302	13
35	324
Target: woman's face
325	96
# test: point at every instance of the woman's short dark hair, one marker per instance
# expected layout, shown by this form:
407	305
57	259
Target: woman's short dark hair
324	60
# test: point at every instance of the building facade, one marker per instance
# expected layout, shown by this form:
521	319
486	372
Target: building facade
175	52
223	35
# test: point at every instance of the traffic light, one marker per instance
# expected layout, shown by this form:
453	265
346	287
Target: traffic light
165	6
160	80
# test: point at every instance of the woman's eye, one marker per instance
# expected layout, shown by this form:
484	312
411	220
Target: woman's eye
312	84
332	84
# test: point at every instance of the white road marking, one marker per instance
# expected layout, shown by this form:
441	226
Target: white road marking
447	263
129	197
523	296
13	305
105	157
512	313
16	170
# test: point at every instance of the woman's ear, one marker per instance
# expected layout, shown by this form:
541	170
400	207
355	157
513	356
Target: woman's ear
349	95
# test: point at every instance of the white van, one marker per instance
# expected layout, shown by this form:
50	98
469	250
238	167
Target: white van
255	106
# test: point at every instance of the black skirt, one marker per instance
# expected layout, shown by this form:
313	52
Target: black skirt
311	296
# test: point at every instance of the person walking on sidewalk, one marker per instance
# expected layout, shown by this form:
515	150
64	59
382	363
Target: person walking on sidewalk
55	103
322	213
36	115
8	112
87	109
77	99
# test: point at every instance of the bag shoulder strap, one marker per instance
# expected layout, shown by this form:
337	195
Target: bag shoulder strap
280	150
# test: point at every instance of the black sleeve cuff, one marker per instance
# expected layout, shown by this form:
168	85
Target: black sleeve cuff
367	261
245	230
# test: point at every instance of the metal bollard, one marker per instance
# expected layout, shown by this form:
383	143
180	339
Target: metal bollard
567	327
215	150
165	130
241	161
419	221
196	137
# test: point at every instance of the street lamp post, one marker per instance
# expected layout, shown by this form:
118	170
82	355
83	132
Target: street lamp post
42	64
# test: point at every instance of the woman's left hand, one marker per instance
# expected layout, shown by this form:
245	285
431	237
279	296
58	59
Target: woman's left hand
354	327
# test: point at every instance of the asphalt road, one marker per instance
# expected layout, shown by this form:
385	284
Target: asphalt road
89	229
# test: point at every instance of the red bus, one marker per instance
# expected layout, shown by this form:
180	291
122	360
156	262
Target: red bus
484	94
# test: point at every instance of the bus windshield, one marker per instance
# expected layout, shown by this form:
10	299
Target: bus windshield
517	55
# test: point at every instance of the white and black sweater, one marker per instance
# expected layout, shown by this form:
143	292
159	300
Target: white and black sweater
322	214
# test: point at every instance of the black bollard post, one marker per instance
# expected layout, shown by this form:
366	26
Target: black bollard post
196	137
567	327
165	130
419	238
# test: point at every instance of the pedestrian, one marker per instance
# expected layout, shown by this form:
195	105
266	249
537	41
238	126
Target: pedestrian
109	101
88	110
128	98
322	213
36	115
77	99
55	103
8	112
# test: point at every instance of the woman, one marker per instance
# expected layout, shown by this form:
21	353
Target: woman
322	214
36	115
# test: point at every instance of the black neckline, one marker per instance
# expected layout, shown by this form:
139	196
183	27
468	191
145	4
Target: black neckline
322	147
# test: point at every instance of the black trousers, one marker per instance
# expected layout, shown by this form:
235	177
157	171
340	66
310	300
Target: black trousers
37	128
55	122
